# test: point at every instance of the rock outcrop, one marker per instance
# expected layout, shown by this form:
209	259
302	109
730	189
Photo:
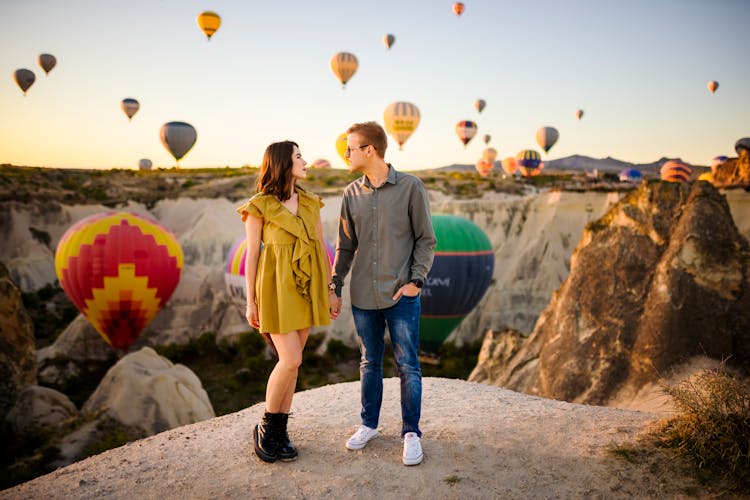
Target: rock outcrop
735	172
17	349
149	392
662	277
38	408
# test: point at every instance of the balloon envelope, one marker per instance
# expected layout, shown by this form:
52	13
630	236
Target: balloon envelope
484	167
118	269
487	138
145	164
510	165
344	65
529	162
388	40
321	163
489	154
459	277
47	62
546	137
24	78
458	8
579	113
341	145
631	175
479	104
713	85
208	22
178	138
466	130
675	171
130	107
741	144
401	120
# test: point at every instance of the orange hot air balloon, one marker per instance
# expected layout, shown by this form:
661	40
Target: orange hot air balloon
458	8
579	114
675	171
208	22
713	85
484	167
119	270
510	165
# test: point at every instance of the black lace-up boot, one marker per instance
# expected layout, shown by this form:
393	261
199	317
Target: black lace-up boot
286	450
265	437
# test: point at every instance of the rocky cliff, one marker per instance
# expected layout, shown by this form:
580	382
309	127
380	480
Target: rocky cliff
663	277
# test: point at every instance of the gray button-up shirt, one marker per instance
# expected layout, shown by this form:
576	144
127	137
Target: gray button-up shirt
385	237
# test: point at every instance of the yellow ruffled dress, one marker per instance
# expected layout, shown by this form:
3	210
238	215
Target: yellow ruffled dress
291	284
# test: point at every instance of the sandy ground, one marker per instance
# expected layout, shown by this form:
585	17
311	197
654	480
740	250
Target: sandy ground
480	441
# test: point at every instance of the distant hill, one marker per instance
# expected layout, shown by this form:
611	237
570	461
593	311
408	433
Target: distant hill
582	163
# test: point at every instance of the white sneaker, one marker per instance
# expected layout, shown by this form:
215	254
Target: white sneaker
360	438
412	449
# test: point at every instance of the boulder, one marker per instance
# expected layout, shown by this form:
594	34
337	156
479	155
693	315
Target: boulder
147	391
79	354
661	278
17	349
498	348
38	408
735	172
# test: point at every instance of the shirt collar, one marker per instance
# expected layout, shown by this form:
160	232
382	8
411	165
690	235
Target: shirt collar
390	179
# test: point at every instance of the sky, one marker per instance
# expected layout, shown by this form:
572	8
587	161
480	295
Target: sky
638	69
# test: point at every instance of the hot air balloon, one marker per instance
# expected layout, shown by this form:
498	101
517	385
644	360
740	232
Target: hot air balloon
479	105
24	79
487	138
631	175
579	114
401	120
119	270
130	107
713	85
546	137
178	138
144	164
460	274
388	40
716	163
743	143
484	167
47	62
466	130
458	8
344	65
321	163
341	145
208	22
510	165
489	154
707	177
529	162
675	171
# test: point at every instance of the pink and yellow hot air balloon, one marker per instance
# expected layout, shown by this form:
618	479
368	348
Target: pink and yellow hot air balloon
713	86
119	270
458	8
675	171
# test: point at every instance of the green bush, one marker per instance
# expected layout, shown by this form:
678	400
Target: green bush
712	426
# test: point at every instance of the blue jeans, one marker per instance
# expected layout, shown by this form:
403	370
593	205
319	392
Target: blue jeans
403	325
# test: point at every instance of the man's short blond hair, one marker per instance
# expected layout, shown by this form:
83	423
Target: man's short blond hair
371	133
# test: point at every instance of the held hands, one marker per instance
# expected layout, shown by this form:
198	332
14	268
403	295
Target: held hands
409	290
335	304
251	313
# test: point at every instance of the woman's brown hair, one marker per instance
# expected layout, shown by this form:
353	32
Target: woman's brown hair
276	170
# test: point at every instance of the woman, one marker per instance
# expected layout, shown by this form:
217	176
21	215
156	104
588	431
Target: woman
287	282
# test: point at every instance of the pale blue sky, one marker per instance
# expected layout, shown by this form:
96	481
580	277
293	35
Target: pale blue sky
638	69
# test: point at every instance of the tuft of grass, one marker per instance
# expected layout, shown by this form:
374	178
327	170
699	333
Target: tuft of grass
451	480
712	426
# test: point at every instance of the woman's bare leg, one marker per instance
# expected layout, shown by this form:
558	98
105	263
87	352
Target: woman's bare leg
286	405
284	374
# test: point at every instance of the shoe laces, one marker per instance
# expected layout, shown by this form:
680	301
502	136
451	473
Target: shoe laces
411	443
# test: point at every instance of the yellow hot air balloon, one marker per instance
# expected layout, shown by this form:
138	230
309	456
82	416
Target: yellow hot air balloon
208	22
344	65
341	145
401	120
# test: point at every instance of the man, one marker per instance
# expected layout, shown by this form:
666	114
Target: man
386	238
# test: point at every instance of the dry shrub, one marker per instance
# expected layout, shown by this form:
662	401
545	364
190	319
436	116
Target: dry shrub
712	425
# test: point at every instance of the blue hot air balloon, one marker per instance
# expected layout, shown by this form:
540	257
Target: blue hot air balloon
631	175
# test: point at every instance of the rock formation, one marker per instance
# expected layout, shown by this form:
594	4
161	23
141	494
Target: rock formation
147	391
735	172
662	277
17	349
38	408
